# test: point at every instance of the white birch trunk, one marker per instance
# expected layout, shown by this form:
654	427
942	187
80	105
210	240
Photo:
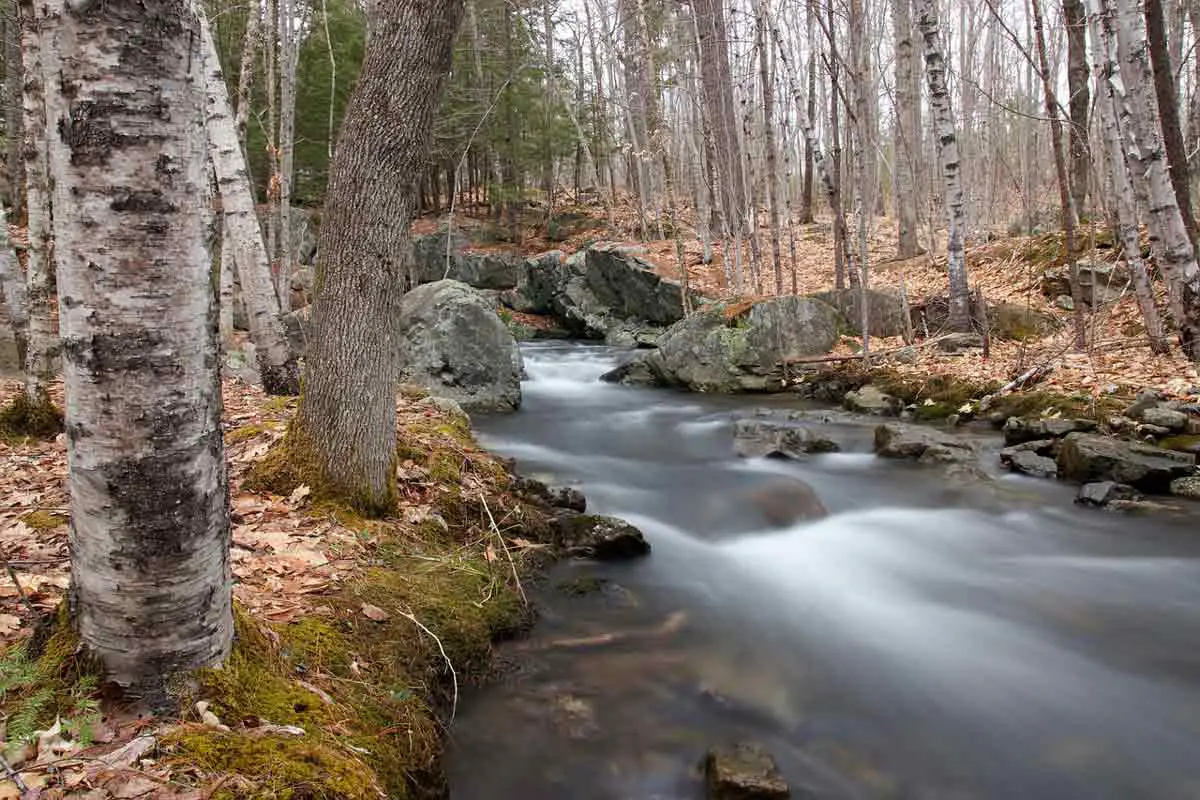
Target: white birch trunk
148	488
276	363
907	130
42	342
289	52
1122	190
948	161
1132	84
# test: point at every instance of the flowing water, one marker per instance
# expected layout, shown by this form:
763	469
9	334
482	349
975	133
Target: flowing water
930	638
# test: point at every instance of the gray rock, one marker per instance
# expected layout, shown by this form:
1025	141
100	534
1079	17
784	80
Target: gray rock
601	538
1065	302
1101	283
906	355
297	327
1021	429
480	270
1104	493
1188	487
927	445
1146	399
711	352
1017	321
1119	422
566	497
744	771
785	502
453	343
445	405
1165	418
1030	463
885	310
870	400
637	371
960	342
1088	457
1151	432
755	438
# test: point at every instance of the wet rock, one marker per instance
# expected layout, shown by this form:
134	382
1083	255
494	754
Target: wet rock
1151	432
885	310
870	400
786	502
960	342
1104	493
1087	457
1165	418
1028	462
637	371
742	349
566	497
927	445
1145	400
754	438
1018	430
1119	422
745	771
1188	487
453	343
601	538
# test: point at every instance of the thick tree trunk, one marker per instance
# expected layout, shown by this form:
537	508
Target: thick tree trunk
276	362
1080	100
1134	91
767	78
1168	113
948	161
907	134
39	266
347	417
289	57
1065	200
13	91
149	495
1123	198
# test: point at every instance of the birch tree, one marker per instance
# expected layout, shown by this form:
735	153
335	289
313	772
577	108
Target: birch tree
345	429
12	290
276	363
906	129
948	163
149	537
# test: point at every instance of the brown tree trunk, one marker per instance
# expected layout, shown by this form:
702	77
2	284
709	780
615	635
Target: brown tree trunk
1168	113
1080	100
347	417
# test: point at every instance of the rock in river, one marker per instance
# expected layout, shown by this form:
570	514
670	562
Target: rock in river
1105	493
744	771
1018	430
601	538
927	445
736	349
1087	457
756	438
453	343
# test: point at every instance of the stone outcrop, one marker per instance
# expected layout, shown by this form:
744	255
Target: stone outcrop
885	310
758	438
919	443
1089	457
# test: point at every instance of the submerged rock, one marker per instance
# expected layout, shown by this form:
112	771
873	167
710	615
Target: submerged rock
1029	462
601	538
745	771
927	445
786	502
738	349
756	438
453	343
1104	493
1088	457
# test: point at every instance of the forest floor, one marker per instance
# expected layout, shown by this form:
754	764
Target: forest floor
354	637
1008	269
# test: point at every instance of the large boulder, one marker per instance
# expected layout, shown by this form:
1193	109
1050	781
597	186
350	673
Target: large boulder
741	349
601	538
443	255
1018	430
1089	457
920	443
453	343
759	438
885	310
604	292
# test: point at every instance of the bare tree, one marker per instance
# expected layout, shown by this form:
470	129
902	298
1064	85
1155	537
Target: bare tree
907	129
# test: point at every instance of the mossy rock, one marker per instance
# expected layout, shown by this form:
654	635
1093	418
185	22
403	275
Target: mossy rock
31	417
1187	443
44	520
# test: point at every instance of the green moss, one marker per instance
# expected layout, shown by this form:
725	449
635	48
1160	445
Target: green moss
44	520
1185	443
582	586
276	404
32	417
1036	404
278	767
247	432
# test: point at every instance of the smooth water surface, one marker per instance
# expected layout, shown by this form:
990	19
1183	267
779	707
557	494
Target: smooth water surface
931	638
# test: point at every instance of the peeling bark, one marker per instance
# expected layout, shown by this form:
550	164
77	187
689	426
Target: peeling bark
148	487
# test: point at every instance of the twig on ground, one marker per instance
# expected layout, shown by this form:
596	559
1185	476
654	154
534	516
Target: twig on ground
504	544
12	573
13	775
453	675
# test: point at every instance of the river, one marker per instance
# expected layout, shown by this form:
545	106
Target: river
930	638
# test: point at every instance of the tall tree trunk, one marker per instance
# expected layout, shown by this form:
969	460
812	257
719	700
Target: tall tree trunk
347	416
548	117
149	534
1065	200
13	91
289	57
806	191
1134	91
1168	113
948	161
907	135
841	270
1122	190
39	266
771	178
276	362
1080	101
599	121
